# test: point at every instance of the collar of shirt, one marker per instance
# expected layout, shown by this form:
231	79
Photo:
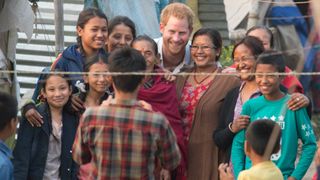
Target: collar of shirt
5	149
255	94
125	103
187	57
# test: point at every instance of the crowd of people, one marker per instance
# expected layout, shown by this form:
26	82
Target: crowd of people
161	125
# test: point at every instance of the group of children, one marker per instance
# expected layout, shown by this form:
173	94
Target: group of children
88	136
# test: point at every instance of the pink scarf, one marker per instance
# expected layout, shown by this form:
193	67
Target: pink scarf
163	98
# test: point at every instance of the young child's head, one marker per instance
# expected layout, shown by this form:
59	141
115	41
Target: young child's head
56	89
95	80
8	115
148	48
126	60
262	139
268	64
92	30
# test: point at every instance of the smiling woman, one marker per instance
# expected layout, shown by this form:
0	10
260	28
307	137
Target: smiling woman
200	99
122	31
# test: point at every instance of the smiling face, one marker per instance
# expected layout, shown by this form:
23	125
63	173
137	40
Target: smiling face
268	84
120	36
263	36
175	35
244	62
147	50
203	52
97	81
93	34
56	91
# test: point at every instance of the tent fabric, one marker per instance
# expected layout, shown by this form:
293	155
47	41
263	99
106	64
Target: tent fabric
15	15
142	12
236	11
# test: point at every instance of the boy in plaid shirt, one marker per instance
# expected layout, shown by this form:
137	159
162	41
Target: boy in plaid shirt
123	140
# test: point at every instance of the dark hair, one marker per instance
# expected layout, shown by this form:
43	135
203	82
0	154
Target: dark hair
84	17
126	60
263	28
93	60
253	43
122	20
148	39
272	57
214	35
98	58
56	72
8	109
260	132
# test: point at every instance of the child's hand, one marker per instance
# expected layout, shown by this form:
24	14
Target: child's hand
77	103
298	101
33	117
107	102
240	123
225	172
145	105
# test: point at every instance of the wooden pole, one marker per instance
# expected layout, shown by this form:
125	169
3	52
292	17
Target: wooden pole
58	23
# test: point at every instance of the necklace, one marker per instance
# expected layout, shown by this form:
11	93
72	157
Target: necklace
200	82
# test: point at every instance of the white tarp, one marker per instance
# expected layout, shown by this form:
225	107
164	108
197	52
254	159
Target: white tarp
142	12
236	11
17	14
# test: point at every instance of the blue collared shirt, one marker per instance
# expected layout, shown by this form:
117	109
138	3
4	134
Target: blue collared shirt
6	167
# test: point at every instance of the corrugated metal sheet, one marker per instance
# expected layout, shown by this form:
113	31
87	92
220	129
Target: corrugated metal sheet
212	14
40	51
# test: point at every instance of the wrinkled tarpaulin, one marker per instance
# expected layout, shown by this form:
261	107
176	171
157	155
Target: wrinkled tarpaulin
290	37
15	15
142	12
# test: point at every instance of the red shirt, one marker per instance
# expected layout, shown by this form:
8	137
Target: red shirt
291	82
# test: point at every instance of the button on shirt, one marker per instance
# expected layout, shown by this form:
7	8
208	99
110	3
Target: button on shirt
6	167
124	141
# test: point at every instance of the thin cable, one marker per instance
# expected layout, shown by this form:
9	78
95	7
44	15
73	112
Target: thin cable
293	73
288	17
284	3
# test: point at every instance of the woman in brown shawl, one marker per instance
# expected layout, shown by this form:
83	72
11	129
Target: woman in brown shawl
200	99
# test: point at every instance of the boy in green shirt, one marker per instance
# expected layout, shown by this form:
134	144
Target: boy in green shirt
272	105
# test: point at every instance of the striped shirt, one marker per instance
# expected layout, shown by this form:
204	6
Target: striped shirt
124	141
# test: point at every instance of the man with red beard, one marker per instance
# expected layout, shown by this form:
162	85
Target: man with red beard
176	27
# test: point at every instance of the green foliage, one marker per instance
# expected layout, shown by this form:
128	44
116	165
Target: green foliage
225	58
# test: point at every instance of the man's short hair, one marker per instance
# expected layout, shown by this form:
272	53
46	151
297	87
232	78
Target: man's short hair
178	10
125	60
259	133
8	109
274	58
